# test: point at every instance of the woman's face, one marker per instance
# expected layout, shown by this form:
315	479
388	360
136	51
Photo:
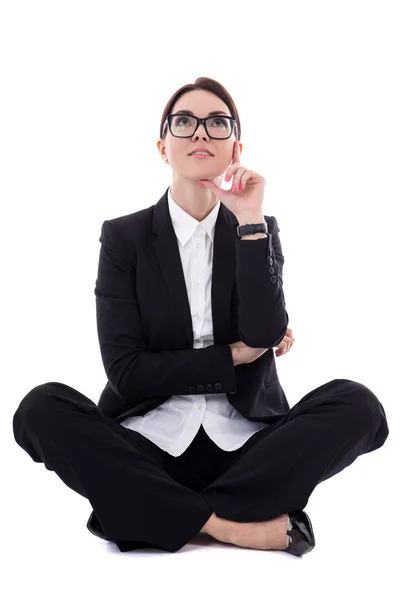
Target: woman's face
176	151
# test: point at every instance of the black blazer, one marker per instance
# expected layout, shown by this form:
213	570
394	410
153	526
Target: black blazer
144	322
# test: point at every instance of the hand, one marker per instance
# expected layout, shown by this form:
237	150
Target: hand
245	201
244	354
286	343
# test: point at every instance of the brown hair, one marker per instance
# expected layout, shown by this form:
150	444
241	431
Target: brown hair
202	83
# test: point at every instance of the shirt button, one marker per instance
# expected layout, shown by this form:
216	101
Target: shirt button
197	245
199	406
197	281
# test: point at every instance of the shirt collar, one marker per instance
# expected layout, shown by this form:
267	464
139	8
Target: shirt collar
185	225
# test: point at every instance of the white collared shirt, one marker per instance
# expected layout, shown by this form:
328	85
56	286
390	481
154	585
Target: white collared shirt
173	425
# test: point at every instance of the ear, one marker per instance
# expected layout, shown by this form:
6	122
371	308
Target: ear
161	147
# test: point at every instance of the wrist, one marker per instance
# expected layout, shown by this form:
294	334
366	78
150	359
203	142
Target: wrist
251	217
253	236
248	219
235	357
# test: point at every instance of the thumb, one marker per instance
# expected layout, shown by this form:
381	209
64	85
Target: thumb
218	191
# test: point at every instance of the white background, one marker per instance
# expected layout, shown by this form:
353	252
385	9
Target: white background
83	87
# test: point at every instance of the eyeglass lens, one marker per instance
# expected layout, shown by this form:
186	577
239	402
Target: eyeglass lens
217	127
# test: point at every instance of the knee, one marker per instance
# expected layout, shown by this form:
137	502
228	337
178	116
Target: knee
366	406
38	401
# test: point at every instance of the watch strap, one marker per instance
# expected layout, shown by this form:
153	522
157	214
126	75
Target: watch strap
251	228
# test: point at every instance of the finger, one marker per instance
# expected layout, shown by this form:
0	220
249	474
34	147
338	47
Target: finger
231	171
236	181
218	191
245	179
283	346
236	152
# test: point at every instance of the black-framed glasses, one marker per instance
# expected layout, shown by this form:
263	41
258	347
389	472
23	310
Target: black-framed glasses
218	127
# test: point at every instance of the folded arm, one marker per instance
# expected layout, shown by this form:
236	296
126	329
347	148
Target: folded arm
262	314
131	369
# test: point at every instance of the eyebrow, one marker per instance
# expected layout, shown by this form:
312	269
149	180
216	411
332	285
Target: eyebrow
213	112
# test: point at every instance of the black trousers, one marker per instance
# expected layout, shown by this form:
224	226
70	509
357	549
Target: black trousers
145	498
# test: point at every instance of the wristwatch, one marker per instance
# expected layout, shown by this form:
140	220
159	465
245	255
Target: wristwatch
251	228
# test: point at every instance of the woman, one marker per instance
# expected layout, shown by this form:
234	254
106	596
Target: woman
190	304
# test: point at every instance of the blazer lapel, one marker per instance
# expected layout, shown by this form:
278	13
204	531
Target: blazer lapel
166	249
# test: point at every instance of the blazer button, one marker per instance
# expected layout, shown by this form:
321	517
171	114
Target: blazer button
271	260
192	389
209	387
271	269
273	278
232	393
218	386
200	388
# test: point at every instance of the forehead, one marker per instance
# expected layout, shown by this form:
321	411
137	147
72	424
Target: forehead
201	103
190	112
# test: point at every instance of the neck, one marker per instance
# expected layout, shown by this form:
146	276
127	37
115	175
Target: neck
193	198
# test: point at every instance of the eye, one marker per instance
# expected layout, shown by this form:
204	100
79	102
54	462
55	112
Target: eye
224	122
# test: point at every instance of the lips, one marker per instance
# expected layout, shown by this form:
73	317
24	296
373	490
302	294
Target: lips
201	150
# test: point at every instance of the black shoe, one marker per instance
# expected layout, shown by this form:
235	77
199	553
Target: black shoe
94	526
302	534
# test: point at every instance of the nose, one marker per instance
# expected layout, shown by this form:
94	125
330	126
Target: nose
200	131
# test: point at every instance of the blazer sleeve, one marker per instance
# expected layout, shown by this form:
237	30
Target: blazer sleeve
262	315
132	371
